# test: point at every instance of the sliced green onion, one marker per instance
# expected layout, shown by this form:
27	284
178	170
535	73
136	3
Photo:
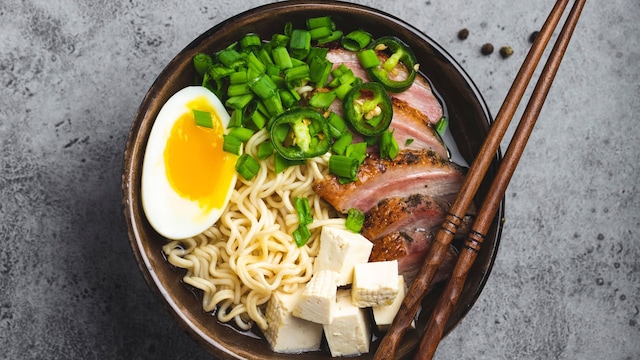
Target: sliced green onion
319	71
301	235
236	118
239	77
264	87
408	142
255	64
281	57
230	58
232	144
279	40
304	211
340	145
288	100
356	40
239	102
337	125
202	62
265	56
203	118
243	134
313	23
300	43
343	166
259	120
342	90
319	52
335	36
368	58
250	41
320	33
357	151
388	145
265	149
274	105
322	99
280	163
355	220
441	125
238	89
297	73
273	70
247	166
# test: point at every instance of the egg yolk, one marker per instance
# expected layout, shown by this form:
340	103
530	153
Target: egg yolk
197	167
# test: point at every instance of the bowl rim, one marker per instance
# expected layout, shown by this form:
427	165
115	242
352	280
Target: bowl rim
133	145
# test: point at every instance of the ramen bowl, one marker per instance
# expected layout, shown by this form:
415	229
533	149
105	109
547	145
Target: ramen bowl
469	120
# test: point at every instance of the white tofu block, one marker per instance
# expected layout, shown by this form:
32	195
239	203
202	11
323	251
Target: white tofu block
287	333
318	300
384	314
339	251
375	283
349	333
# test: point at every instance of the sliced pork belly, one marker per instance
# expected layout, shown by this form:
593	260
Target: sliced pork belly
398	213
411	172
409	123
419	95
410	247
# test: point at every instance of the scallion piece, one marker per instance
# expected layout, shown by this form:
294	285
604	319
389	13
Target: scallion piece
342	90
265	56
203	118
238	89
296	73
238	77
335	36
265	149
288	100
357	151
355	220
264	87
301	235
408	141
247	166
232	144
250	41
304	210
243	134
255	64
337	125
388	145
274	104
280	163
230	58
322	99
259	120
202	62
442	125
322	21
356	40
368	58
281	57
279	40
319	33
319	52
239	102
340	145
235	119
300	43
319	71
343	167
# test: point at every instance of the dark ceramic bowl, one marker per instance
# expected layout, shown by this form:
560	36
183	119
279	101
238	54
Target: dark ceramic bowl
469	121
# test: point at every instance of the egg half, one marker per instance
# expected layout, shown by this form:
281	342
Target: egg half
187	178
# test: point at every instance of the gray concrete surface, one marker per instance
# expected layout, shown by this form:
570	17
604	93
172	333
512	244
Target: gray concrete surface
566	284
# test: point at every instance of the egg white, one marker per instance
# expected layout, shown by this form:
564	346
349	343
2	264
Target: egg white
170	214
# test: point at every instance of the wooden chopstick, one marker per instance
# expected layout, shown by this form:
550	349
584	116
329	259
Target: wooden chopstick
477	171
449	298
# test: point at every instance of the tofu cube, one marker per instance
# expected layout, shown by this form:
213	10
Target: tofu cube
349	333
318	300
339	251
287	333
375	283
384	314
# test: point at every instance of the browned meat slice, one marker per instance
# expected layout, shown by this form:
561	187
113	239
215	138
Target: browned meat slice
419	95
398	213
410	248
410	124
411	172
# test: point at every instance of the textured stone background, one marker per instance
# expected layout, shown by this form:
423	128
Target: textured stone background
566	284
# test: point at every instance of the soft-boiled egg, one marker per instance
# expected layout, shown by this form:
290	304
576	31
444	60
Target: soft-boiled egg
187	179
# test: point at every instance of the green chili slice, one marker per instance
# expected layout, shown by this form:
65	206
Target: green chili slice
367	107
386	73
300	133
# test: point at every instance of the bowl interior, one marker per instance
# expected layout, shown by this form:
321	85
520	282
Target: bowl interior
469	120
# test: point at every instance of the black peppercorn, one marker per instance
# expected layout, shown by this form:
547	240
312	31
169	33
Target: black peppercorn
533	36
463	34
487	49
506	51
